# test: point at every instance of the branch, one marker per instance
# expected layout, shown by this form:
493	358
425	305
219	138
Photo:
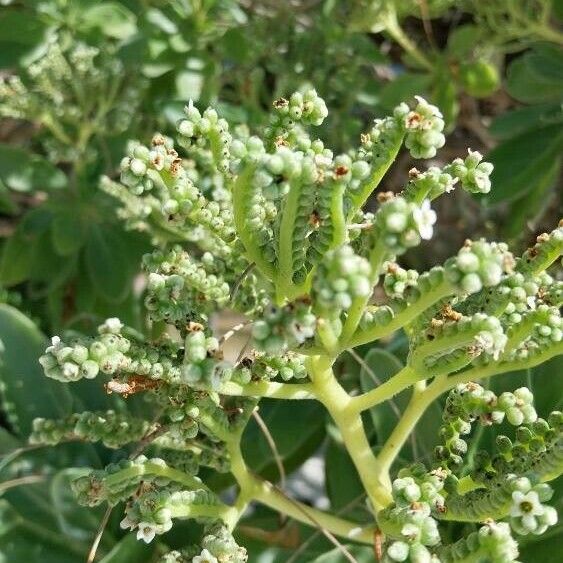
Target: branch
269	389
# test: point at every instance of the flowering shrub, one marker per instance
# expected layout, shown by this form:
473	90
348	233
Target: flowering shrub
273	226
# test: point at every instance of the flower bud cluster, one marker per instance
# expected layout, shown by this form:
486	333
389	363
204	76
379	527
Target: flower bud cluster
493	542
202	364
110	353
341	277
469	402
151	513
416	496
397	281
429	184
402	225
548	248
262	366
112	429
281	328
307	108
178	284
217	546
205	129
473	173
479	264
424	127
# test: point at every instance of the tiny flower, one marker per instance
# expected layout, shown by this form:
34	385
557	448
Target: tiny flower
204	557
127	523
146	532
424	217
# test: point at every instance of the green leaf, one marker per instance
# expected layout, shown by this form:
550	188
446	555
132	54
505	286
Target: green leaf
189	85
343	485
17	259
522	161
27	393
518	121
463	39
67	232
111	18
23	171
21	33
108	263
383	366
130	550
402	88
360	554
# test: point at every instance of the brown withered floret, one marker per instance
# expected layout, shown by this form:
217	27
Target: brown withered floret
385	196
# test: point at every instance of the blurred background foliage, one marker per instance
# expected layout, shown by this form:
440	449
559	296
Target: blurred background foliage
79	78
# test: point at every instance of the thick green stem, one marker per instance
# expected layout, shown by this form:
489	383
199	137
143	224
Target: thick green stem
270	389
349	422
405	378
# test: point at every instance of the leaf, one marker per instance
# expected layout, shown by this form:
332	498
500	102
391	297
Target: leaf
111	18
107	263
130	550
17	259
522	161
24	172
67	232
74	521
189	85
27	392
402	88
21	32
518	121
384	366
463	39
360	554
342	482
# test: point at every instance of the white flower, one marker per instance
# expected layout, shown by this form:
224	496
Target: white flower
204	557
113	325
424	217
127	523
146	532
526	506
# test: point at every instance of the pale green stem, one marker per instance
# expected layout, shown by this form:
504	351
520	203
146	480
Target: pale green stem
252	487
349	422
418	403
270	389
399	382
403	318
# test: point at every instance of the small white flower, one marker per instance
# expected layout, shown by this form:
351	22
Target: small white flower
204	557
127	523
146	532
424	217
526	504
113	325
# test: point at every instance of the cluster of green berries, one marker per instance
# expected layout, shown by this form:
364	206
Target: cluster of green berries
402	225
151	513
114	430
217	546
416	495
280	328
307	108
479	264
204	129
202	365
342	276
177	283
397	281
261	366
107	353
493	543
424	127
469	402
473	173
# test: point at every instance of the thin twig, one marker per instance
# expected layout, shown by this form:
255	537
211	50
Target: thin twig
246	271
316	534
272	444
26	480
323	530
99	533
